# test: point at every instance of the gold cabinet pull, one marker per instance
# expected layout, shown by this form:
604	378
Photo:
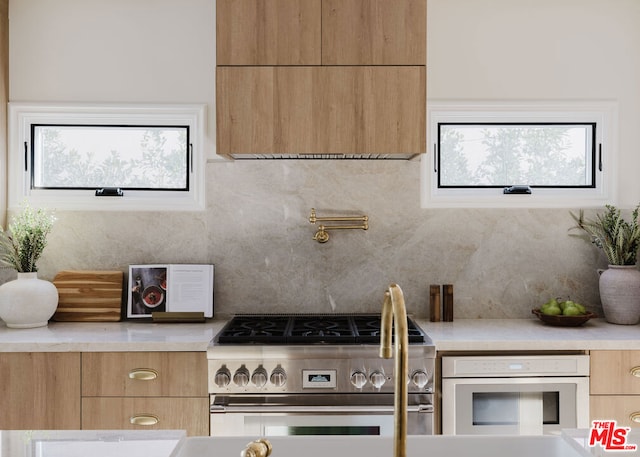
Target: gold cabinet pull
635	371
143	374
144	419
635	417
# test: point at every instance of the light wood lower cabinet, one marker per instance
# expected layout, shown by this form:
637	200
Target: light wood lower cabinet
615	387
622	408
145	390
40	390
144	374
143	413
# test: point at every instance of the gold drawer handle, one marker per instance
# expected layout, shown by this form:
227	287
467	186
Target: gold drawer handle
635	371
143	374
144	419
635	417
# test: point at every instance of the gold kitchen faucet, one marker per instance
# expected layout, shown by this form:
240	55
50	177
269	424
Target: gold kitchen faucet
394	308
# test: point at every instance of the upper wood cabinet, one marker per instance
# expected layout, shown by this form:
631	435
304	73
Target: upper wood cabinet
321	77
374	32
268	32
323	110
321	32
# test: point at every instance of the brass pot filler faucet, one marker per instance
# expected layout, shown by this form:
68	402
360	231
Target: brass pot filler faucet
322	235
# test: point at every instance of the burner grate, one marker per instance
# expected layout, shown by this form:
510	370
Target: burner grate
322	329
308	329
255	329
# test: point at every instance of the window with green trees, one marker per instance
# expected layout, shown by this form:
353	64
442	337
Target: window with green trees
506	154
520	154
96	156
107	156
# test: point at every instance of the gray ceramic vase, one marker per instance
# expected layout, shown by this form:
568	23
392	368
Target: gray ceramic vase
620	294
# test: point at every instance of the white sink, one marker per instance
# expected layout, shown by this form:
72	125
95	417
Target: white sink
94	443
343	446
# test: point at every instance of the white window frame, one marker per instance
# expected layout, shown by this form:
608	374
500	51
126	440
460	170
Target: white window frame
23	115
603	113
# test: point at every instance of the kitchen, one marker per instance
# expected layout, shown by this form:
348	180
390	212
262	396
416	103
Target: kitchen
501	261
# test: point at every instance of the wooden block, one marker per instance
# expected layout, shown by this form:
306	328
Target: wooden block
447	302
434	302
89	296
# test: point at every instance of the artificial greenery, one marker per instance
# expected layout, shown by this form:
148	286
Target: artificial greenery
610	232
22	244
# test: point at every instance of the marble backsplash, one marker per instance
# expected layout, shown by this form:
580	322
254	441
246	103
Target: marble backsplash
256	231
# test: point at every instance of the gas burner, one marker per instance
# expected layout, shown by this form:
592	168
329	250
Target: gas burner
308	329
258	329
321	328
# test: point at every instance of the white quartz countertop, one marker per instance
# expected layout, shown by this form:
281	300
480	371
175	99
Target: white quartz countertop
528	335
110	336
459	335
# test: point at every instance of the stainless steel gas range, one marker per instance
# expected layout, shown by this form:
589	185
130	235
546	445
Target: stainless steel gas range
313	374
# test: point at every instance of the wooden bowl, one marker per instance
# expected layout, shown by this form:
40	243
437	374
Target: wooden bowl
563	321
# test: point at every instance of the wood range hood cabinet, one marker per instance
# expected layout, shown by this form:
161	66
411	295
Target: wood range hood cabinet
321	78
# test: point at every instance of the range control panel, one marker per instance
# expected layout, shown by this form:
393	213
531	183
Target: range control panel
314	376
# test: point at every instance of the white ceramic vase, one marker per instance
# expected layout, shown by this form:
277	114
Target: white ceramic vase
27	302
620	294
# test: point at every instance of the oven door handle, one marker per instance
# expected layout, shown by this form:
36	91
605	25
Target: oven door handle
333	409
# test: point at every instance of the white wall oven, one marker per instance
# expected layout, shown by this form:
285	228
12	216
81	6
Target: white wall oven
273	375
514	395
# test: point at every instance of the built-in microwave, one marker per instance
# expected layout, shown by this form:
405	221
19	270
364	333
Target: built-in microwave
514	395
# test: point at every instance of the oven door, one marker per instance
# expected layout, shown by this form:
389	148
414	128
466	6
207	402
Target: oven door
316	414
514	406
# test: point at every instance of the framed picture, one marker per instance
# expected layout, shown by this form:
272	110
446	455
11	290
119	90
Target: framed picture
169	288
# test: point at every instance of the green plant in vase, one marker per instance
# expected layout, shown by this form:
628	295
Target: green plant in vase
22	244
619	239
27	301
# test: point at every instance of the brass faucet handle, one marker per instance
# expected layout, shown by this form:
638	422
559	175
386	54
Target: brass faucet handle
258	448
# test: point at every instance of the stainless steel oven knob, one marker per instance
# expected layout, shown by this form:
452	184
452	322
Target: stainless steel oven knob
259	377
241	377
420	378
377	379
278	377
222	377
358	379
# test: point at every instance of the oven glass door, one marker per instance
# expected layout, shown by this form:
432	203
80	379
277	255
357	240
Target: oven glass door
305	415
514	406
288	424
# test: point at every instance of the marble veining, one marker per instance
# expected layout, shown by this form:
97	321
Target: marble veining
255	230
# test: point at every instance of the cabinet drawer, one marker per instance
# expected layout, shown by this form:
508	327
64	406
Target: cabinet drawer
141	374
190	414
615	372
624	409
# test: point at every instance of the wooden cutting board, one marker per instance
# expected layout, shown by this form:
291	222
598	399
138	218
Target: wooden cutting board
89	296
